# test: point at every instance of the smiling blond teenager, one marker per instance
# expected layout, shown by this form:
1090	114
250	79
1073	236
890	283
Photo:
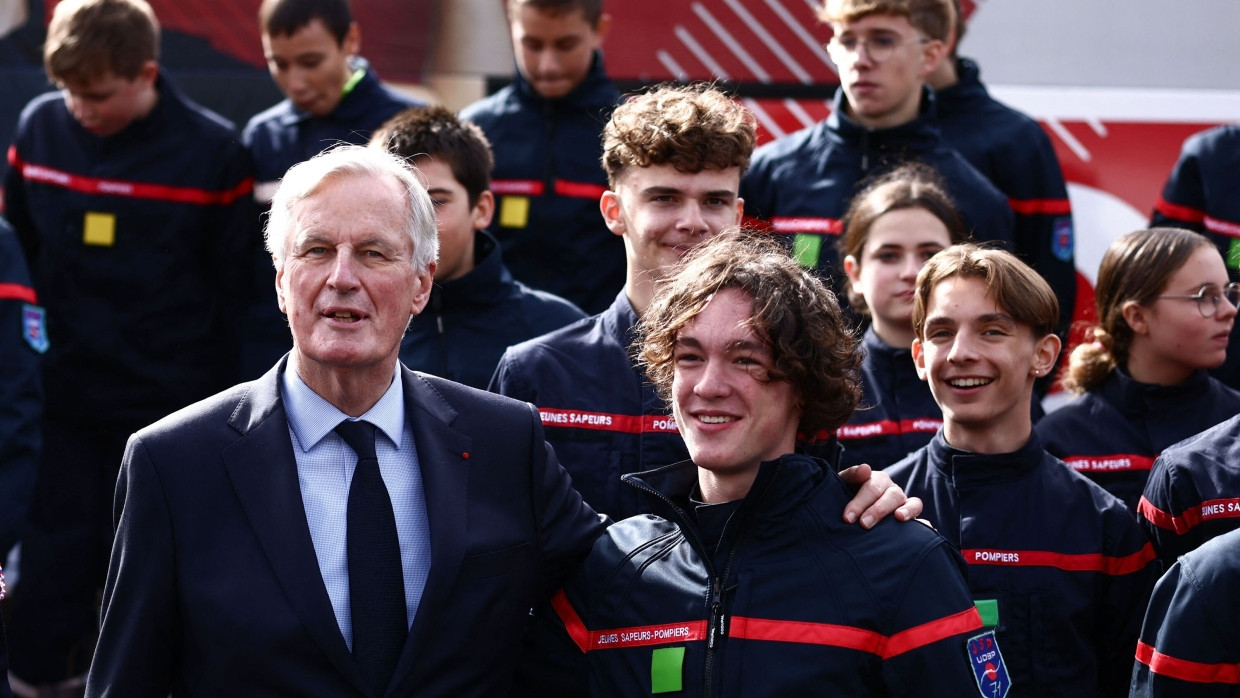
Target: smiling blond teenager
1057	566
745	580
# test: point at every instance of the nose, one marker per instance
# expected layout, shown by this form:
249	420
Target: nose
1225	310
691	219
712	381
912	265
963	349
343	275
548	63
78	107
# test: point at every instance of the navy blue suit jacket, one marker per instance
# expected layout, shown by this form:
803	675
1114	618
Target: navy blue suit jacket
214	589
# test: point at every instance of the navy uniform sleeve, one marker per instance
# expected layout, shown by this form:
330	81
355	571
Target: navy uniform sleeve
1169	493
22	341
1182	203
1189	644
236	246
5	692
1130	569
140	626
509	380
553	663
927	648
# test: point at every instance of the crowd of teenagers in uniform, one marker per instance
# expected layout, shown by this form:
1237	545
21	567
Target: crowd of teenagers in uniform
657	406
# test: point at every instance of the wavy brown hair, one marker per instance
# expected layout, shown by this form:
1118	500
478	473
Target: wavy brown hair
1135	269
88	38
934	18
811	344
690	127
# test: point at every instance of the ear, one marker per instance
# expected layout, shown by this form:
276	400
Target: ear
422	288
148	74
603	26
1137	317
919	359
279	289
613	214
352	44
932	54
853	271
740	211
1045	353
484	210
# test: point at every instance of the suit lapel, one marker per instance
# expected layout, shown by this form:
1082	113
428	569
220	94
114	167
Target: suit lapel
443	459
264	474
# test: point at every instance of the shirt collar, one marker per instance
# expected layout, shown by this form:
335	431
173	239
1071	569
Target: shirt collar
311	417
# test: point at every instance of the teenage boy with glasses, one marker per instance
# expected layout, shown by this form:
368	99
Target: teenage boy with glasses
883	115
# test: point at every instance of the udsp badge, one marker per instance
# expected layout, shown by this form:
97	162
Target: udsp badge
34	327
987	662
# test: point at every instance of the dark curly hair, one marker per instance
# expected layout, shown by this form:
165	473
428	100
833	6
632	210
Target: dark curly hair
418	134
812	346
690	127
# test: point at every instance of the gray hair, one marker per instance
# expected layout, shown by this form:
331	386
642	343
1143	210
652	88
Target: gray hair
304	179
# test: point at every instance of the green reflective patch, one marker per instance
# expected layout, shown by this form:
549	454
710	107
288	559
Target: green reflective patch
1233	254
665	669
806	249
989	611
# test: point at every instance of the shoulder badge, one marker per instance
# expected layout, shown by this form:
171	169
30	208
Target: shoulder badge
34	327
987	662
1062	240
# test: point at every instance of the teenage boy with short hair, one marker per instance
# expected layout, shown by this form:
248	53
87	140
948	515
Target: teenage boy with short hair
132	205
1056	564
544	129
332	96
883	116
674	157
476	310
751	349
1016	155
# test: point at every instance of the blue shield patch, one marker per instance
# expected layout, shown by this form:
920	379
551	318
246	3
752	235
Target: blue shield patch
988	666
1061	240
34	327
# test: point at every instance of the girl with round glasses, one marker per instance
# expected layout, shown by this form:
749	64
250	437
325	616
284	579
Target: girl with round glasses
892	227
1165	309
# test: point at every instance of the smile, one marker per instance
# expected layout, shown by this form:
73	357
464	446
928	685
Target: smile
969	382
708	419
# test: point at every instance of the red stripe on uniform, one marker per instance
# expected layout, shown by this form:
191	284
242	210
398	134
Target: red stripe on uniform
572	622
1191	518
1110	463
1178	212
1221	227
1086	562
824	226
579	190
18	292
132	190
602	421
847	637
1049	207
528	187
1185	670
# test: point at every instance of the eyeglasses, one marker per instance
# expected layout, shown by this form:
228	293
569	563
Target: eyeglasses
1209	297
879	48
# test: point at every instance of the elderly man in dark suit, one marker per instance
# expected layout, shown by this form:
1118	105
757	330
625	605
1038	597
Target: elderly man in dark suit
342	526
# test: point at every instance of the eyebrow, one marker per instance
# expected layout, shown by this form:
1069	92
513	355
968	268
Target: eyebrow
739	345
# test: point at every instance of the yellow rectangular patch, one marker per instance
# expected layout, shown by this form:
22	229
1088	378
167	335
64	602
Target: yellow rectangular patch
100	229
514	211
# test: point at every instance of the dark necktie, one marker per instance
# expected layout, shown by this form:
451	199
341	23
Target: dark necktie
376	579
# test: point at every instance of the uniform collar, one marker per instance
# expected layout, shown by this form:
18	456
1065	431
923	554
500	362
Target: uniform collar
596	90
311	417
1132	397
484	285
965	468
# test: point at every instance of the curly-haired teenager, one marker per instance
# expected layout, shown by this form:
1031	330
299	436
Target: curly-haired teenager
674	158
1060	570
1165	310
751	349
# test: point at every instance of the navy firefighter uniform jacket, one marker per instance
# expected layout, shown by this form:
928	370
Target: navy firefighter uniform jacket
1113	433
1055	564
547	183
801	184
599	411
1193	493
139	244
469	321
23	340
773	595
897	413
1189	646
